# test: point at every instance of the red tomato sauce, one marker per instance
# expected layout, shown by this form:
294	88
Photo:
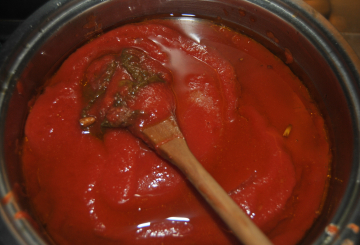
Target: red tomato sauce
246	117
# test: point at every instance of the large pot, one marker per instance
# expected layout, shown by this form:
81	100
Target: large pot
322	60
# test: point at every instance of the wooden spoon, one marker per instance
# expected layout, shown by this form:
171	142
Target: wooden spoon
165	137
168	141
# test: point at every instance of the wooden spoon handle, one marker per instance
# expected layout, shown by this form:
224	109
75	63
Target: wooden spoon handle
169	142
177	152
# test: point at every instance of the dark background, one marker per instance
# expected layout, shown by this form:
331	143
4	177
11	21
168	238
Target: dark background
13	12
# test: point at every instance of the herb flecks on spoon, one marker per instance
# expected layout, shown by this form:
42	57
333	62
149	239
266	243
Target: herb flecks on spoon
119	114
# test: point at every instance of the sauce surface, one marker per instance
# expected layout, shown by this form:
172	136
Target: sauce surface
245	116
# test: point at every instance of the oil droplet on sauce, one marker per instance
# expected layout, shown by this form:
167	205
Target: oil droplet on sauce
242	12
272	36
288	56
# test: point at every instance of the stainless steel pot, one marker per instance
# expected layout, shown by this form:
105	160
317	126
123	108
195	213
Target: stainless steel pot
322	60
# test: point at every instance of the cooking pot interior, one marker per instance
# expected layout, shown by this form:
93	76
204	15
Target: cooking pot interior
39	46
